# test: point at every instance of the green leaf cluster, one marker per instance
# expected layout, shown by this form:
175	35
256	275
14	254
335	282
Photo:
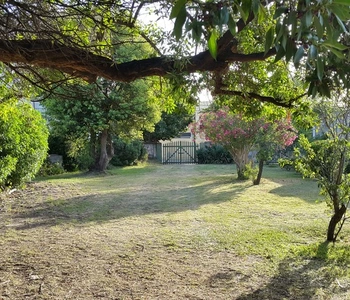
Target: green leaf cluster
211	18
23	143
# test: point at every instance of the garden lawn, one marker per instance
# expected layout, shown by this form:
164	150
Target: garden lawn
170	232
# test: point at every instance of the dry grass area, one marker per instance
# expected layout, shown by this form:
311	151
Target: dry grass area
170	232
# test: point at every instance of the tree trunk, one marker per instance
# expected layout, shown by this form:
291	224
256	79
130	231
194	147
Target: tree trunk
93	150
336	218
258	177
240	174
106	152
240	156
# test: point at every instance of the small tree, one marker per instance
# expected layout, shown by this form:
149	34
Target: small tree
232	131
238	135
325	160
23	143
275	137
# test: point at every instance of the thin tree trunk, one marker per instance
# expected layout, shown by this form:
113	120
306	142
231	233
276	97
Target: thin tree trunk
336	218
258	177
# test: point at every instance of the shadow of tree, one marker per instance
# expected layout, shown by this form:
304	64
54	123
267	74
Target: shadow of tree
122	203
305	189
301	278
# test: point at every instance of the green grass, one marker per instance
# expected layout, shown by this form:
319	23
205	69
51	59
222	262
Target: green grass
195	225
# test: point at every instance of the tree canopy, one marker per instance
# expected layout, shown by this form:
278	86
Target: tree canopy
76	38
99	112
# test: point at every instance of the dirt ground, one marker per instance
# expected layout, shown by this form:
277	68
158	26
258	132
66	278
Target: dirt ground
50	253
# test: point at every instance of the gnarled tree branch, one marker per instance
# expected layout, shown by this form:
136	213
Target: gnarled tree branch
87	65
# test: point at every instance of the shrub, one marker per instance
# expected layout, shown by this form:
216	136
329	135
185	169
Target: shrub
128	153
214	154
57	145
48	168
23	143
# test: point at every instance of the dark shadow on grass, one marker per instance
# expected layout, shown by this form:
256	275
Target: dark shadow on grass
301	278
306	190
293	185
121	204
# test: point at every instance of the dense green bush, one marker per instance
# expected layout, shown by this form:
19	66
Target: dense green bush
57	145
128	153
213	154
48	168
23	143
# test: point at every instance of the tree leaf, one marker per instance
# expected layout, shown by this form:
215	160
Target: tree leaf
341	24
279	11
318	22
342	12
311	86
313	52
320	68
280	53
342	2
324	89
334	44
292	20
269	39
298	56
307	18
255	7
244	9
338	53
179	5
212	44
179	22
262	14
232	25
224	15
290	49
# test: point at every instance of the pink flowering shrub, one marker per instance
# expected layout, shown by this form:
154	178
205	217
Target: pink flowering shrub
238	135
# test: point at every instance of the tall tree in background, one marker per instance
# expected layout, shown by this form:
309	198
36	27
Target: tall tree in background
171	124
96	112
76	38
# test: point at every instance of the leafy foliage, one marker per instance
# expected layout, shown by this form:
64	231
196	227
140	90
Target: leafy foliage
238	135
213	154
23	143
171	124
48	169
79	38
117	109
128	153
326	160
308	33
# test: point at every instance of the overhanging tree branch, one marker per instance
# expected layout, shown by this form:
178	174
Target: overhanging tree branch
87	65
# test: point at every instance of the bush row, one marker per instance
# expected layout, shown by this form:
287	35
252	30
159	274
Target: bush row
213	154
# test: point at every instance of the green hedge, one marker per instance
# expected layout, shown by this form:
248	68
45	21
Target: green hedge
213	154
128	153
